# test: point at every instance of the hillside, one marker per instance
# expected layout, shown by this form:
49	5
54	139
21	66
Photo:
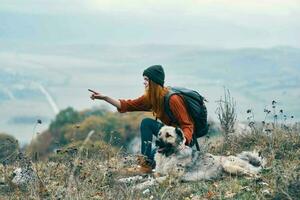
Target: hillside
87	163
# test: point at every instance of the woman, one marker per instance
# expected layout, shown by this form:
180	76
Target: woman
153	100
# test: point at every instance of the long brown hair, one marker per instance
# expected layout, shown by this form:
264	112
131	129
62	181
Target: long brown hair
155	96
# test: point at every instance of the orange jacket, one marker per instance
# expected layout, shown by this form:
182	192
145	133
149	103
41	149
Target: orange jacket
177	107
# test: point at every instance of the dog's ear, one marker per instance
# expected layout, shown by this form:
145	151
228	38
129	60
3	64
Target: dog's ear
179	132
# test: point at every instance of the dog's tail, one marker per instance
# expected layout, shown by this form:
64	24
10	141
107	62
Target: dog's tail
254	158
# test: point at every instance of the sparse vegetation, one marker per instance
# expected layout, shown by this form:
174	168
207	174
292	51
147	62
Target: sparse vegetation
226	112
88	168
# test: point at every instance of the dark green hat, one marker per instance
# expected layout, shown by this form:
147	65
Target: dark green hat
156	74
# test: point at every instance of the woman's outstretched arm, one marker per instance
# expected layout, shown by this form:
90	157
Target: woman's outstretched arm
112	101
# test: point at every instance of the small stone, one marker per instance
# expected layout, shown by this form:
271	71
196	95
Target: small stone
2	181
146	191
263	183
229	194
24	176
247	188
266	192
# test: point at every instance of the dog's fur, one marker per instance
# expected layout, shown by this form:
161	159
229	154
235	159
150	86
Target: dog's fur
174	159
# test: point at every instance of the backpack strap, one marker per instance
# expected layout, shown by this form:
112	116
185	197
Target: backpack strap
196	142
167	105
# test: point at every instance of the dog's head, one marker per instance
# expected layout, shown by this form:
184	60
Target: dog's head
169	139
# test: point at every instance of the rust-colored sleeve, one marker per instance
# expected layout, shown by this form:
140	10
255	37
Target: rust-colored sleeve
138	104
180	112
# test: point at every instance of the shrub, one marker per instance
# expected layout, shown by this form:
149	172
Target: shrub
226	111
9	148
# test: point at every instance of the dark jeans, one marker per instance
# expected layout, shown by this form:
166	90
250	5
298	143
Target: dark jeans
149	127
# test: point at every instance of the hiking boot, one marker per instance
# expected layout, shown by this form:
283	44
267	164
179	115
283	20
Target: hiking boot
144	166
140	169
142	160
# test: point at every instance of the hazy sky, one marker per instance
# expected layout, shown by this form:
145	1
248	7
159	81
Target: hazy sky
209	23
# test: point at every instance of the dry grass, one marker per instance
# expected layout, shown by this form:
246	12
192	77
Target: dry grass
82	176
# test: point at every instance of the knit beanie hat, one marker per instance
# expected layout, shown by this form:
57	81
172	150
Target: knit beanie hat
156	74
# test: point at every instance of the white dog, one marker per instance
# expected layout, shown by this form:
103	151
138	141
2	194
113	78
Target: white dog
174	159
